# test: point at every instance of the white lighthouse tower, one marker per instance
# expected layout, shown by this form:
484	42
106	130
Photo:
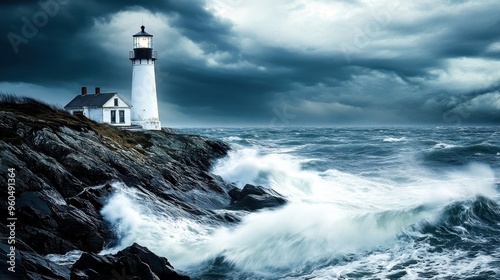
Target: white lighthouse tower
144	101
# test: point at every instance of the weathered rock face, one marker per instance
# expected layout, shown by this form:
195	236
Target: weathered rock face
254	198
63	166
134	262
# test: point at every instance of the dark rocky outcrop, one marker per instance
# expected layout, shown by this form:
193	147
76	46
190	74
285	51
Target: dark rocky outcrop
31	265
134	262
254	198
64	166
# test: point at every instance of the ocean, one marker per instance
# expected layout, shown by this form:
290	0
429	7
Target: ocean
363	203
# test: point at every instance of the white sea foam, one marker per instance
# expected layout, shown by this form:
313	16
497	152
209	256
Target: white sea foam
272	170
417	260
392	139
232	138
156	225
329	214
67	259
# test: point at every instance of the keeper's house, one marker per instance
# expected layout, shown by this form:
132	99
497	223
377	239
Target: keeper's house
108	108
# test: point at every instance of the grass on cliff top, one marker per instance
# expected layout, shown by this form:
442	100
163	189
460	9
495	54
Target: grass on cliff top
42	115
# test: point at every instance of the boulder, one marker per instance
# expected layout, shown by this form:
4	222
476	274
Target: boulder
134	262
253	198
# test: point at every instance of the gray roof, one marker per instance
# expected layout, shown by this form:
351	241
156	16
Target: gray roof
92	100
143	33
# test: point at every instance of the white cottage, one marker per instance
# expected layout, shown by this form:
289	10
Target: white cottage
108	108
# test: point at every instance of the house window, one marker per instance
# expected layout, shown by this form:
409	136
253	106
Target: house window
116	102
122	116
113	116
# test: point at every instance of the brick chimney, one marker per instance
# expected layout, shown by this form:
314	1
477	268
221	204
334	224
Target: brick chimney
97	90
84	91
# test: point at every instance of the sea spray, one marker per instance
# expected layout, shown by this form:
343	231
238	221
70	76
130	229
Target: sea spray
330	214
165	229
338	213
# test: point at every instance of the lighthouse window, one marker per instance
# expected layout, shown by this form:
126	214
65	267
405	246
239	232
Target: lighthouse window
116	101
143	42
122	116
113	116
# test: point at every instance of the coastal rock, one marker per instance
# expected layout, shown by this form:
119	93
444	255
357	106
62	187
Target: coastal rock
254	198
30	265
134	262
65	167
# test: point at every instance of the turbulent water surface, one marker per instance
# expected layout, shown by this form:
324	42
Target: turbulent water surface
363	203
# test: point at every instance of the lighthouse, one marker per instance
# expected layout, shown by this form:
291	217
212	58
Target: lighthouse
144	100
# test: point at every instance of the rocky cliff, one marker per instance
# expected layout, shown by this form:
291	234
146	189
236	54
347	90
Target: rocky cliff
63	166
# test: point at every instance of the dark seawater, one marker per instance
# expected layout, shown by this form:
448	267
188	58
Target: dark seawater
364	203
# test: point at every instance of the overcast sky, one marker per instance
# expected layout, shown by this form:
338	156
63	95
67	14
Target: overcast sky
267	62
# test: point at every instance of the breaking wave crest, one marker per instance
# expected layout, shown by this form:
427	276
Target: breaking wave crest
330	216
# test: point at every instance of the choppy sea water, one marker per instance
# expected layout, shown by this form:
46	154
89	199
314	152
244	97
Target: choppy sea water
364	203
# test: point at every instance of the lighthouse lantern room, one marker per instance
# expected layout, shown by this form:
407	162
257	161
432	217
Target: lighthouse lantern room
144	99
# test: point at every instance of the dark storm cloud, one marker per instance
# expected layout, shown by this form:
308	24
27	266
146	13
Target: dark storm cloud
200	26
232	93
55	45
404	82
